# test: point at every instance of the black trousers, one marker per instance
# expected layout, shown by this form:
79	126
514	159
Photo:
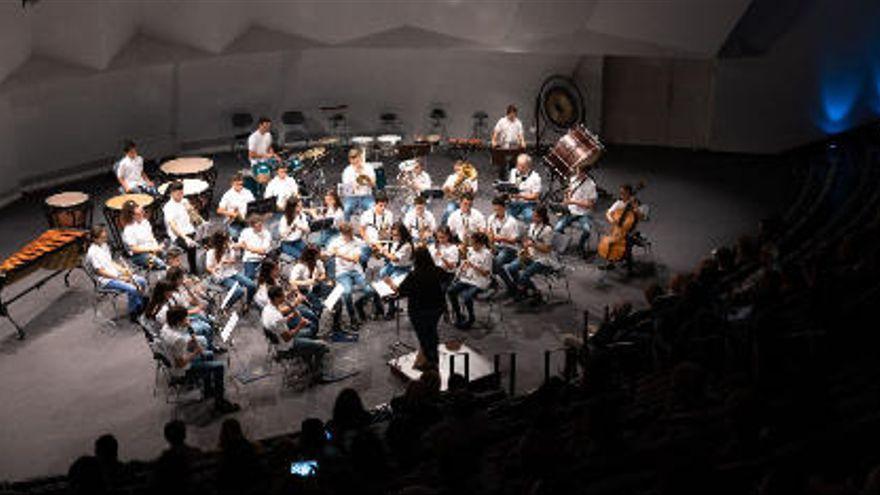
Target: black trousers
190	254
425	323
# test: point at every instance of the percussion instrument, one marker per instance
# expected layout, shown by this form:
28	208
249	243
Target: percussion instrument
194	190
579	146
113	213
256	178
615	246
192	167
69	209
365	143
388	144
469	144
329	141
431	139
58	250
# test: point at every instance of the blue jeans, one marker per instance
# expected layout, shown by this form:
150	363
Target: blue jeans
516	276
350	281
451	206
293	249
392	271
245	284
133	291
584	223
326	236
467	292
504	256
251	268
235	229
143	189
359	203
521	210
148	261
210	373
366	252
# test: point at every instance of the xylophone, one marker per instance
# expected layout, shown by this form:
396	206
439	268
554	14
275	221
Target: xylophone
58	250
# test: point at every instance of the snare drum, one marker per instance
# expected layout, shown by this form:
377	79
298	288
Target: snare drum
577	147
195	191
113	212
69	210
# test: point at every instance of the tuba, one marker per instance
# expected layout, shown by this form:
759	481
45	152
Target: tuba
468	172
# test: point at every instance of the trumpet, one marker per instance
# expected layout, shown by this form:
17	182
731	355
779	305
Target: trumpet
194	216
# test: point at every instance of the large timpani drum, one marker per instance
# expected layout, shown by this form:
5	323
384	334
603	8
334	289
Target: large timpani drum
113	213
191	167
577	147
194	190
69	210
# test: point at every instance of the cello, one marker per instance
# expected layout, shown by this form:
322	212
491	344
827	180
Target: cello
614	246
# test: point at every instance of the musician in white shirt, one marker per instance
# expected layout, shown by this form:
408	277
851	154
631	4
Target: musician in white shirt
332	209
398	259
293	229
234	204
137	235
457	184
292	331
504	233
255	241
282	187
358	181
223	262
260	143
528	184
508	135
178	223
580	199
420	221
130	172
346	251
113	276
537	248
375	226
466	220
444	251
473	278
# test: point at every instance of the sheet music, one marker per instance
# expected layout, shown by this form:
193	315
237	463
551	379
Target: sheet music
384	290
229	327
334	296
229	294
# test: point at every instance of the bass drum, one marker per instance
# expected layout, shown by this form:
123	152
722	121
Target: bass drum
577	147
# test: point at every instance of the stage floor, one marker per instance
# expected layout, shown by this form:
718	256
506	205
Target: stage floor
73	379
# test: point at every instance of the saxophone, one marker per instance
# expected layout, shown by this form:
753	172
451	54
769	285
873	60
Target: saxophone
194	216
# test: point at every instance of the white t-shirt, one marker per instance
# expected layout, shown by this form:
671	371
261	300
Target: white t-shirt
462	224
530	184
139	234
337	214
99	258
233	200
416	223
451	179
175	343
294	231
404	253
300	272
350	187
250	238
131	170
282	189
481	259
259	143
507	227
349	248
617	205
261	296
540	234
177	213
508	132
448	253
581	190
223	268
275	322
422	181
373	223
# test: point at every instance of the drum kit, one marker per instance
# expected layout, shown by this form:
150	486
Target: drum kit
69	210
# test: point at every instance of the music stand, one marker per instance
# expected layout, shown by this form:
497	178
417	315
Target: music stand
231	323
432	193
321	224
504	187
229	294
502	159
386	293
262	206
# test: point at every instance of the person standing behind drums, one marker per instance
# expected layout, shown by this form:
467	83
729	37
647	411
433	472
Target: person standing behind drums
260	143
508	135
358	181
130	172
528	183
179	225
138	238
233	205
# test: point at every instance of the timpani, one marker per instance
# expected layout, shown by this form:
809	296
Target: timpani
196	191
191	167
69	210
113	213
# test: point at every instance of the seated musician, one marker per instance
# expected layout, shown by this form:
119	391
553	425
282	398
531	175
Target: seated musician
164	297
137	235
534	257
420	221
627	196
466	220
255	241
174	259
508	135
346	251
191	356
457	183
504	233
293	229
528	183
473	278
375	227
358	181
223	262
294	333
178	223
398	259
260	144
233	205
190	298
580	198
130	172
112	275
445	254
415	182
309	277
282	187
269	276
332	208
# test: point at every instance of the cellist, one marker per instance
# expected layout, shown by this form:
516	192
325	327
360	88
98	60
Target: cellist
623	216
627	195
